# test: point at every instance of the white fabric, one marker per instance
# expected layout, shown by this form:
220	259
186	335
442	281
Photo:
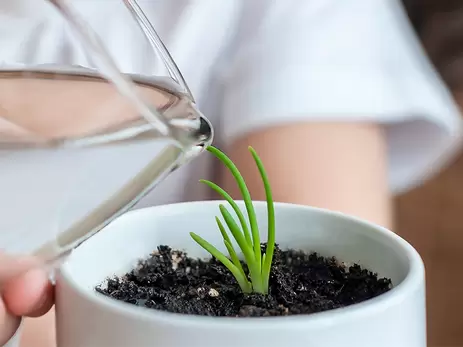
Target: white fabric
252	64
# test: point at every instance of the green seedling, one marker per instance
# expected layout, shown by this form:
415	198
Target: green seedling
258	263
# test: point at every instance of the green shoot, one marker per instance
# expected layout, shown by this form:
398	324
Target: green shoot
242	281
259	265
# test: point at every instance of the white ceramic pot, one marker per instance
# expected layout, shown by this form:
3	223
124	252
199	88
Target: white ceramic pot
88	319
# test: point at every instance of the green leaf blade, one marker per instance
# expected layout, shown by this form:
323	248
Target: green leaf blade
234	257
246	198
235	207
267	263
238	236
242	281
222	230
230	248
253	263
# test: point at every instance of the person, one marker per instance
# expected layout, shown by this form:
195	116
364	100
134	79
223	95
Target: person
338	99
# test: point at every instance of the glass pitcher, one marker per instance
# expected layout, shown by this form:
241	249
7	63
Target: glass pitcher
84	145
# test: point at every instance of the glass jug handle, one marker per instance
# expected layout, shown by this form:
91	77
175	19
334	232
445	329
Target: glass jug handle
106	65
157	44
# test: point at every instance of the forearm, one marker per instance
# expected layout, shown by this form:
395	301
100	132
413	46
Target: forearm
341	167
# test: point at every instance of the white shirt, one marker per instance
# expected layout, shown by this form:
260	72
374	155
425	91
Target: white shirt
250	64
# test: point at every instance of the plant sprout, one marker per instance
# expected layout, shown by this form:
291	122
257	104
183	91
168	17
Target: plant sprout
258	263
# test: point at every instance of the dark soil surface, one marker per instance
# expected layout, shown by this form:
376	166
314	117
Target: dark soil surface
300	284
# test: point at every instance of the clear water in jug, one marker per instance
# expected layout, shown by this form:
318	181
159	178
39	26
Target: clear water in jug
137	129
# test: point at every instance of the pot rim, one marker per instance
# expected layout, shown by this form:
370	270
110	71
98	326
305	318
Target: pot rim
411	283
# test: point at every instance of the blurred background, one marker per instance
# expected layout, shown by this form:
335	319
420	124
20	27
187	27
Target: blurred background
430	217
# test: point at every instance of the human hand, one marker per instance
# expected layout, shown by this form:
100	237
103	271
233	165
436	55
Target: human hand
30	294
